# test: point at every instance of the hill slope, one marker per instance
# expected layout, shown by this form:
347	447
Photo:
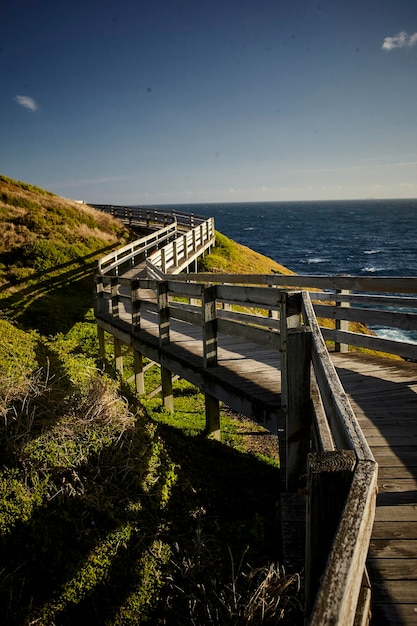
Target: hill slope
109	513
48	249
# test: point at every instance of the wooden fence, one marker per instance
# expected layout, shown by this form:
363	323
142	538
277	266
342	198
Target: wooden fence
344	300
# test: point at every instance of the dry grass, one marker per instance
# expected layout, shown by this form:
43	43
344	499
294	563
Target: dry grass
202	592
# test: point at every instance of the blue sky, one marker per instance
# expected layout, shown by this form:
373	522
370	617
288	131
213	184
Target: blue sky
147	102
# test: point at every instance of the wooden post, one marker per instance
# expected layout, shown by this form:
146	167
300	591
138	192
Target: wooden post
99	303
212	416
342	324
115	297
163	317
209	326
135	305
208	303
166	386
102	346
329	480
290	317
298	413
118	357
185	244
138	369
163	312
175	252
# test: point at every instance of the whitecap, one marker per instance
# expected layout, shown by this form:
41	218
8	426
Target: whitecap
371	269
377	251
316	259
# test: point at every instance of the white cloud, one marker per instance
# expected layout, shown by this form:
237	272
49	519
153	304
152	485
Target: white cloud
27	102
400	40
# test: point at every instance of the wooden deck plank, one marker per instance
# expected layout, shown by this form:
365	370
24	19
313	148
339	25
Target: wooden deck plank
383	395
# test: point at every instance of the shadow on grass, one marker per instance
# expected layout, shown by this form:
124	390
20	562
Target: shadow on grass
53	300
89	550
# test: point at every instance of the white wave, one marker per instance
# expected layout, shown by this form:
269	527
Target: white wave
371	269
316	259
376	251
395	334
249	228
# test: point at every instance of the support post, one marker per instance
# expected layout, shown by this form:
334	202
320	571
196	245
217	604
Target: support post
290	317
135	302
342	324
99	303
212	416
209	320
115	297
163	312
298	413
101	346
185	244
118	357
138	369
209	326
166	385
175	252
329	480
163	318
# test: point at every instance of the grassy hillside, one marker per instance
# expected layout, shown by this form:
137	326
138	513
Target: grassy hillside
111	511
48	249
229	257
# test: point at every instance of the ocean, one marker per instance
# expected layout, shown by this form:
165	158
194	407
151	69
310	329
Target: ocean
357	237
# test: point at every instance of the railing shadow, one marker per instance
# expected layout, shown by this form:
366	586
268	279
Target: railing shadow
53	300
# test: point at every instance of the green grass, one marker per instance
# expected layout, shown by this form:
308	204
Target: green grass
113	511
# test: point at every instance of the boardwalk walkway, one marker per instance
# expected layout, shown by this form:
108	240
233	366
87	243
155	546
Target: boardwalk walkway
247	377
383	394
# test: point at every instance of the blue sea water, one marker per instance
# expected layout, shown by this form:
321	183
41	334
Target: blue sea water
360	237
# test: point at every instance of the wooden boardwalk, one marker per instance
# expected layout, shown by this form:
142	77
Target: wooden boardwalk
383	394
247	377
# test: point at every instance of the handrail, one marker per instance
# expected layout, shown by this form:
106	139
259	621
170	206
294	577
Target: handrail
178	254
150	217
138	248
343	301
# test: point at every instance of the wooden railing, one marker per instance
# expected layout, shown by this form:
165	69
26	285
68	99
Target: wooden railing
151	218
177	255
131	254
341	471
171	248
344	300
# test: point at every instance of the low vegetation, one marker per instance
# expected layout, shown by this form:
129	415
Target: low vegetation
111	511
230	257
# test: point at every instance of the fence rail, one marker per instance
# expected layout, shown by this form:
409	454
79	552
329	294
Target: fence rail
341	301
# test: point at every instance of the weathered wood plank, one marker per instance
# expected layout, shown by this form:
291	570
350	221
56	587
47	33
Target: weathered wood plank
393	568
402	591
390	614
399	549
402	513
